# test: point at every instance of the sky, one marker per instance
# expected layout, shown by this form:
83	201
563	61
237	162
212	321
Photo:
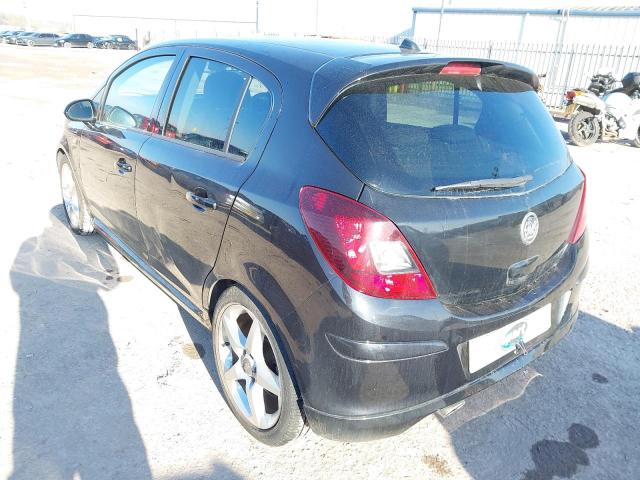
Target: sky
335	17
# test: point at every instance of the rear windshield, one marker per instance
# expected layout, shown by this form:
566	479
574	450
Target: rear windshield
410	134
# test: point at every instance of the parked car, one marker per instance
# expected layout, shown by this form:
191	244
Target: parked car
4	36
12	39
117	42
38	39
76	40
370	235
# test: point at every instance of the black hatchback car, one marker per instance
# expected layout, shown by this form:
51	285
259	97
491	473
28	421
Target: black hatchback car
116	42
76	40
371	235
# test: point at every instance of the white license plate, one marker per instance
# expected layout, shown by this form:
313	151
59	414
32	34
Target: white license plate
491	346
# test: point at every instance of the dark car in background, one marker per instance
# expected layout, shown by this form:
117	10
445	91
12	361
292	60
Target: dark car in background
76	40
371	235
12	39
39	39
117	42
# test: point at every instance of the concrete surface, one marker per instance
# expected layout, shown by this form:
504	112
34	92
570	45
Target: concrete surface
102	377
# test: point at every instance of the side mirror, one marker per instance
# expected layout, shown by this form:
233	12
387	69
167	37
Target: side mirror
80	111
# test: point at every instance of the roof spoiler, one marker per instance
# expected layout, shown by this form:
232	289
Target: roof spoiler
337	75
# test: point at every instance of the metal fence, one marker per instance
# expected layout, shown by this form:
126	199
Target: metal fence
564	66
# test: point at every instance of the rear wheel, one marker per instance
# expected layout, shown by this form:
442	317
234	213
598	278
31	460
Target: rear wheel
584	129
636	141
89	44
254	376
75	206
132	47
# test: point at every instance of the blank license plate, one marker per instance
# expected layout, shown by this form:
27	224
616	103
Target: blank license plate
491	346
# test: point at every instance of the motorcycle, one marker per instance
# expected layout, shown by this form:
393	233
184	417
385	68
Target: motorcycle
614	115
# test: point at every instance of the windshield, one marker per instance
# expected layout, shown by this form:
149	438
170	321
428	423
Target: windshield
411	134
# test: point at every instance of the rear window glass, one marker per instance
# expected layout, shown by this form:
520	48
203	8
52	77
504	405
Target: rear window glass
410	134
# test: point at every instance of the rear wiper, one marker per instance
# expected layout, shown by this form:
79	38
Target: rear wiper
485	184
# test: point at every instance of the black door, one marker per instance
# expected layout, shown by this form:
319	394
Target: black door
188	176
112	144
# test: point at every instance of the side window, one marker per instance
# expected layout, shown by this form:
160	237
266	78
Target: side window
254	110
133	93
205	103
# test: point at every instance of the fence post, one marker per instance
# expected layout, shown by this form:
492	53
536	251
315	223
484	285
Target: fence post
490	49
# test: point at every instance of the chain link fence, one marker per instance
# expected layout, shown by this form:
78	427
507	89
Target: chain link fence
562	66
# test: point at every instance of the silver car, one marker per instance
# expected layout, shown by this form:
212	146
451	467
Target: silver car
38	39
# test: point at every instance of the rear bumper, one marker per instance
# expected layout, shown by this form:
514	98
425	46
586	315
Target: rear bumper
364	428
373	369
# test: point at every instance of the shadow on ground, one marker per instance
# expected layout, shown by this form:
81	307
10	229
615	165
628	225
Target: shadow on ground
71	411
570	412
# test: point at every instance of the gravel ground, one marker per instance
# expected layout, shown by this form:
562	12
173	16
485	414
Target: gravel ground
101	376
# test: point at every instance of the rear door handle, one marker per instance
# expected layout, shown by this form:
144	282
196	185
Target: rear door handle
201	202
122	166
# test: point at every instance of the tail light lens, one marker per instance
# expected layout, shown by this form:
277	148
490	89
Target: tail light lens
363	247
581	218
570	95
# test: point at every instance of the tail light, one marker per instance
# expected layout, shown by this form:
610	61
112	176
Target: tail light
570	95
580	223
461	68
363	247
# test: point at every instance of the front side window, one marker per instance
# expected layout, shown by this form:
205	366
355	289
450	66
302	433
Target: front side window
205	103
133	93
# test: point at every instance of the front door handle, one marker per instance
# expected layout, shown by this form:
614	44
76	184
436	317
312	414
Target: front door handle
122	166
201	202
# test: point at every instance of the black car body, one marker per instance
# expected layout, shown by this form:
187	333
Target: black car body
76	40
117	42
13	39
411	226
39	39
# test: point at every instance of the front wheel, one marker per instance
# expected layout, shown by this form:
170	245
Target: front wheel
75	206
30	43
66	45
584	129
252	370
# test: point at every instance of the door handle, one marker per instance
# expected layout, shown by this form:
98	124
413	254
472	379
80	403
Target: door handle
201	202
122	166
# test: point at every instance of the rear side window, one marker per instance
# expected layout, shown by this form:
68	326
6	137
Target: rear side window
133	93
253	112
410	134
205	103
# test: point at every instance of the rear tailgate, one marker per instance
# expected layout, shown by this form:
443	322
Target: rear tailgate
412	136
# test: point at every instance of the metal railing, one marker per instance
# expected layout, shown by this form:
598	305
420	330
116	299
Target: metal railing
563	66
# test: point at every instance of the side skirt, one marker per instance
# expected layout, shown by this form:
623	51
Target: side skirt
138	262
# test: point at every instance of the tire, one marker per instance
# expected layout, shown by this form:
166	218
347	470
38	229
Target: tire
66	45
245	362
73	201
30	43
584	129
636	141
89	44
132	47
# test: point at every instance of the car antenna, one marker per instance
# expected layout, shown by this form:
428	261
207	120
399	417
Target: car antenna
409	46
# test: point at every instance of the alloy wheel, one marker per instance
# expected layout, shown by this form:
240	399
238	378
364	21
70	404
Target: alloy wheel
249	369
70	196
586	129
